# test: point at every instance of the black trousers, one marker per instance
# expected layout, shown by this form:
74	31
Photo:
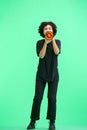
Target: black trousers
39	91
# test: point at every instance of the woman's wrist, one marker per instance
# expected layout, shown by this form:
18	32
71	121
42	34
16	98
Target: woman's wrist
53	40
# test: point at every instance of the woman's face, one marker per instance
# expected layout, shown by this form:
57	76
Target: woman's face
47	28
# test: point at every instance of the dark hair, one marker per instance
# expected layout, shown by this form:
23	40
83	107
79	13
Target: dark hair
43	24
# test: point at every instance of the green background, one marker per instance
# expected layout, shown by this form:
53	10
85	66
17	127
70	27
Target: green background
19	21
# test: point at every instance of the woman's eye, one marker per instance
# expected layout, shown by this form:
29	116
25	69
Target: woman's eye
50	28
45	29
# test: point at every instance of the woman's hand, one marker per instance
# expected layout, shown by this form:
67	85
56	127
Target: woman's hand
47	41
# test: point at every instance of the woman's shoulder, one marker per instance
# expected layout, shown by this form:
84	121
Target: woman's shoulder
40	41
58	41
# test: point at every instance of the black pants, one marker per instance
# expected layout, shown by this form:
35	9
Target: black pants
52	92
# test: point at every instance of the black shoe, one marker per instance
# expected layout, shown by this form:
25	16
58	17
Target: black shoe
52	126
31	125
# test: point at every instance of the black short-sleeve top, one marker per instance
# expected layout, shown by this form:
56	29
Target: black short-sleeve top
48	66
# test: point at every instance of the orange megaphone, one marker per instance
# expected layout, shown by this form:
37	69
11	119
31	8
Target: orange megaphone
49	35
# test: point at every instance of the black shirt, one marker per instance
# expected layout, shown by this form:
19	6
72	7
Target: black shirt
47	67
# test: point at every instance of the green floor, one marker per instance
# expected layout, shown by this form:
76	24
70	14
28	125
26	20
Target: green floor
45	128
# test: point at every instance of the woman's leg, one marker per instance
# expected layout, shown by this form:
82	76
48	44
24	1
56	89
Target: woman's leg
39	90
52	92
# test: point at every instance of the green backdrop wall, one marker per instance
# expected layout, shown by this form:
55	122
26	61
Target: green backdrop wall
19	21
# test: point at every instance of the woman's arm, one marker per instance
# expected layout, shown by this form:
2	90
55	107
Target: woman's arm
43	50
55	47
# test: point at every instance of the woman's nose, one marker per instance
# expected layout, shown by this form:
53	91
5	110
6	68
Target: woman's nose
48	29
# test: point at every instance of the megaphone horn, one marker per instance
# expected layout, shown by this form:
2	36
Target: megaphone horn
49	35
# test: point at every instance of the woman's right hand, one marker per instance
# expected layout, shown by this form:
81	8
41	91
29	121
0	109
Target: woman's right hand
47	41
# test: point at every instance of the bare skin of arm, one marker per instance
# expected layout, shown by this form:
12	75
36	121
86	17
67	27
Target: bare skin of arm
55	47
43	50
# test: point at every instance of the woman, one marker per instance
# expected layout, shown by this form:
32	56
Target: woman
47	72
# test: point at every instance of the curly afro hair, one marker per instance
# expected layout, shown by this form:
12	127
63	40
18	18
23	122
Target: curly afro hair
43	24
